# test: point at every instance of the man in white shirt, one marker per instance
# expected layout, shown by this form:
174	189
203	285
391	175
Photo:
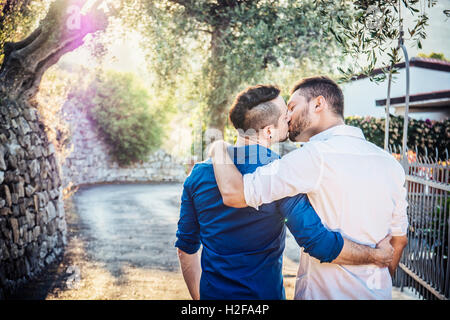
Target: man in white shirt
355	187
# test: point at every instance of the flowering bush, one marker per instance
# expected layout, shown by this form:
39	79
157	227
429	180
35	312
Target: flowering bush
423	134
412	156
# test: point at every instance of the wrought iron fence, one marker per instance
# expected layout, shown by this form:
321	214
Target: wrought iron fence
424	266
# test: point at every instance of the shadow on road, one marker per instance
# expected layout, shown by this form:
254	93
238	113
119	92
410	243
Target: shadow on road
120	246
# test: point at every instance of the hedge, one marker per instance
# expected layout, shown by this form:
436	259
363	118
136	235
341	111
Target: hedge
119	105
426	135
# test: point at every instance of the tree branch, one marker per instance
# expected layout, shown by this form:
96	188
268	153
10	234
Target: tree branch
26	61
197	12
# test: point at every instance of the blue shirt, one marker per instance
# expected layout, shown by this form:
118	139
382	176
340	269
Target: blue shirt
243	248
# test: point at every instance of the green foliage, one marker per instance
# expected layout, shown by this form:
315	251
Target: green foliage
373	32
119	105
421	133
434	55
228	44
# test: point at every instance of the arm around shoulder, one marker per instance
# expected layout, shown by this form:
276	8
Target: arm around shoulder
229	179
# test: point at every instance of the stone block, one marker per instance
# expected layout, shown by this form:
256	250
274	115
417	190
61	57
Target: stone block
51	211
49	259
14	198
4	250
22	207
23	126
36	233
15	229
15	210
43	217
19	189
36	202
60	208
12	161
28	236
30	114
51	228
41	200
62	225
8	196
43	250
51	148
54	193
26	177
22	165
29	190
14	124
5	211
14	251
31	218
34	168
38	152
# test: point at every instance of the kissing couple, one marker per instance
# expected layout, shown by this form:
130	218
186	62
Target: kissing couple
342	198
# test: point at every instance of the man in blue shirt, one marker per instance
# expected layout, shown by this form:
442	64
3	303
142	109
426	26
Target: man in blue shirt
243	248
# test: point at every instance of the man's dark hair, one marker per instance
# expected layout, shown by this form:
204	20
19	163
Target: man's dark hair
313	87
252	108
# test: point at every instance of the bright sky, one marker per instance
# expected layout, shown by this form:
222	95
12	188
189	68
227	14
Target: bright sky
438	31
126	55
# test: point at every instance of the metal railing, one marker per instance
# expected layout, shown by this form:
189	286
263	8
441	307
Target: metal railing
424	265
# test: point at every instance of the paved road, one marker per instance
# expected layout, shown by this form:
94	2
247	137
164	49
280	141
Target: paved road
135	224
131	224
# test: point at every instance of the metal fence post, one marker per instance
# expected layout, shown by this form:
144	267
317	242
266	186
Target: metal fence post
388	104
405	120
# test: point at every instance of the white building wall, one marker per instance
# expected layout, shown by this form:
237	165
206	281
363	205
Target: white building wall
360	95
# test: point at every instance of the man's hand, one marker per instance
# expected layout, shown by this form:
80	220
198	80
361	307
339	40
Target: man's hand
399	243
353	253
217	151
384	252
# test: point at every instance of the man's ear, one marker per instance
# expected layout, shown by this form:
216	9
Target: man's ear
268	131
320	104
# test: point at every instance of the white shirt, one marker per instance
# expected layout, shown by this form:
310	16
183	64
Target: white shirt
357	189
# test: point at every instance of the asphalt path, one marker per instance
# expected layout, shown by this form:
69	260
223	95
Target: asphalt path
136	224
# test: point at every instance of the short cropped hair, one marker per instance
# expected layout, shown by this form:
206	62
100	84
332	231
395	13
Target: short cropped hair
313	87
252	108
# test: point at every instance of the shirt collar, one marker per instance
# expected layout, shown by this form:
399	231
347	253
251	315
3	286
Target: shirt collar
341	130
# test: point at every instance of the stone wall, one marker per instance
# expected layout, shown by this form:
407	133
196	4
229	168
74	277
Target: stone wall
32	179
89	160
32	221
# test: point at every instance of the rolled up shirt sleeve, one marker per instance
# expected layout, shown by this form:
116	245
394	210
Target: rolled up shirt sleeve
299	171
308	230
188	233
399	224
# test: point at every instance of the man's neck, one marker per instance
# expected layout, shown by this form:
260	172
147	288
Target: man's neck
331	124
325	126
250	140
